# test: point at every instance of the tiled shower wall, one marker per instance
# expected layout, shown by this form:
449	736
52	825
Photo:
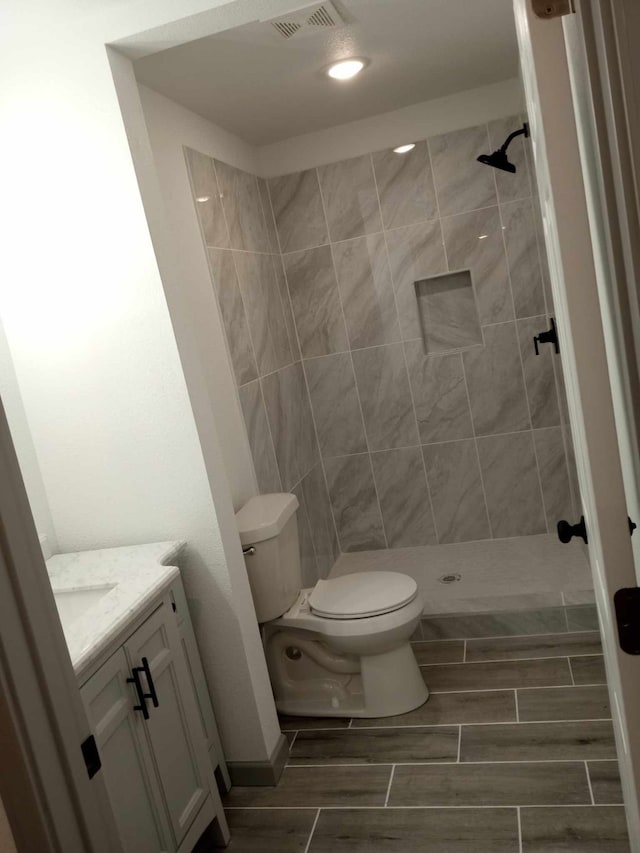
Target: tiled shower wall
333	378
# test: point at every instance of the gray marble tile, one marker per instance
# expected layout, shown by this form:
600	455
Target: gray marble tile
511	485
415	252
456	491
316	302
559	741
209	208
383	385
583	617
448	313
475	706
576	497
264	312
289	415
605	782
318	787
439	394
545	621
564	703
323	533
366	290
538	373
495	382
297	206
474	241
574	830
308	564
461	182
438	651
404	497
588	670
579	596
453	677
243	208
262	451
536	646
554	476
523	258
416	831
489	784
336	409
510	186
376	746
283	290
269	830
350	198
234	320
272	234
405	186
355	504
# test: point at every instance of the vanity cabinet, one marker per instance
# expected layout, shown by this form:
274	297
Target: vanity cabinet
154	733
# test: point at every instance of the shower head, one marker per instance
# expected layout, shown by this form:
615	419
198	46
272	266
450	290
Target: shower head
498	159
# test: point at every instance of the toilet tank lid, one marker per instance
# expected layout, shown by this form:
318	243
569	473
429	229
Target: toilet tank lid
264	516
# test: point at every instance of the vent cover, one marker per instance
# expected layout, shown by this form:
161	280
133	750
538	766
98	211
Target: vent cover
323	16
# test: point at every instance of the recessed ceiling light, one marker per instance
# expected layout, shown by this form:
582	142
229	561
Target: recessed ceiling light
402	149
346	69
202	198
483	237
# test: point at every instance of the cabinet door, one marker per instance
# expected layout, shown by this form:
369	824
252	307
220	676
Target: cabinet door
126	760
172	725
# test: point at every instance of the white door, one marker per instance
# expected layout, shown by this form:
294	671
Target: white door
126	760
155	653
576	262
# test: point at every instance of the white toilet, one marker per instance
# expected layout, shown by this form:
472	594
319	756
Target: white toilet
340	649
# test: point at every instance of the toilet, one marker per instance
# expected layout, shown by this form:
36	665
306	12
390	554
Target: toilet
341	648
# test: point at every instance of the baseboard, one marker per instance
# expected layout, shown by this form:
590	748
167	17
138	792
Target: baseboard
260	773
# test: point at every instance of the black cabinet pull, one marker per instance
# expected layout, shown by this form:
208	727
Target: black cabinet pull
152	689
567	531
548	337
142	706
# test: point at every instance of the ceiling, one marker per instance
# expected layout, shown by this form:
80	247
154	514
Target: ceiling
264	88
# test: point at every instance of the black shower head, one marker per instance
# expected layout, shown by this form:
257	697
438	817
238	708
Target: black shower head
499	159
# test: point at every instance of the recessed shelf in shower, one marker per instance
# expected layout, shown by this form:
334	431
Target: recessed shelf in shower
448	313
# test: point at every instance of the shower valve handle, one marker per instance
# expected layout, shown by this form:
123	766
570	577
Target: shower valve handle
548	337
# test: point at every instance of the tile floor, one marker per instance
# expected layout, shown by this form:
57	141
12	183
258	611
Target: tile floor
513	753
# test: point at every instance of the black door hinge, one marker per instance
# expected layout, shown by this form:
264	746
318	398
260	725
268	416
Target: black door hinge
91	756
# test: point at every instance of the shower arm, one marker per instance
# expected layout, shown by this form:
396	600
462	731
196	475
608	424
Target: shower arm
523	130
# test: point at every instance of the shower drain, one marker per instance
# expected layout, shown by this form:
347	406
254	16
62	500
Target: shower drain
450	578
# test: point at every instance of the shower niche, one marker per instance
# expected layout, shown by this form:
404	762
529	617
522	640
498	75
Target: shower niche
448	313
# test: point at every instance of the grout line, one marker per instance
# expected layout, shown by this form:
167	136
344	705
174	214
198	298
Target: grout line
515	694
573	681
519	829
513	660
353	368
452	725
431	763
350	723
459	742
386	799
293	740
464	652
586	770
467	807
433	616
313	829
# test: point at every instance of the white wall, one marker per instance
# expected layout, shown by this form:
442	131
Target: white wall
171	127
409	124
91	338
25	450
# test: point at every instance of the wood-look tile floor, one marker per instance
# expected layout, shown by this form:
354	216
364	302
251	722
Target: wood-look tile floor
512	753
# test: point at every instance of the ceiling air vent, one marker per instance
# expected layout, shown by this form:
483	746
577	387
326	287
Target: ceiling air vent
321	16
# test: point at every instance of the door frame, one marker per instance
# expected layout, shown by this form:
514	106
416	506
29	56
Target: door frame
51	804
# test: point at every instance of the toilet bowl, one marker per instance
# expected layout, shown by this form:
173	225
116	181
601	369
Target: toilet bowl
341	648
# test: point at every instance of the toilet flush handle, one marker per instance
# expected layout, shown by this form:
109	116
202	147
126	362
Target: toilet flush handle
250	551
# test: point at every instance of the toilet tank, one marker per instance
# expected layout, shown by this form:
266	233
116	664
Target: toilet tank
267	523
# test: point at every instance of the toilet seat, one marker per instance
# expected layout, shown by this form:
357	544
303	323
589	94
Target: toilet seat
362	595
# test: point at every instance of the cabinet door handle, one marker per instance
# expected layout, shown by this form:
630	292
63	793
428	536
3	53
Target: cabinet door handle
141	695
152	689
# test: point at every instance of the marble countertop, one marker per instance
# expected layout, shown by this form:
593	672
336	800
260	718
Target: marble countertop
131	576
